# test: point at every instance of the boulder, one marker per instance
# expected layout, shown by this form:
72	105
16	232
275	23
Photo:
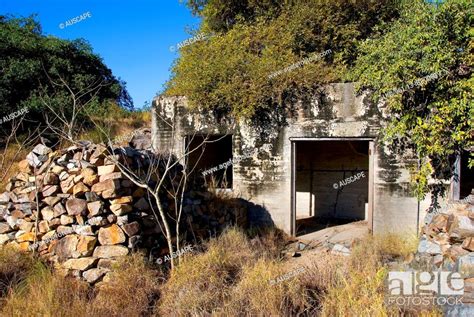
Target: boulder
94	275
86	245
120	209
110	251
80	264
110	184
429	247
76	206
66	247
111	235
131	229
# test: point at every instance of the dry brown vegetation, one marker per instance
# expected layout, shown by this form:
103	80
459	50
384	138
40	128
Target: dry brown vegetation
230	278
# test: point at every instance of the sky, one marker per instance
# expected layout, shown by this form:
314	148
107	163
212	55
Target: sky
133	37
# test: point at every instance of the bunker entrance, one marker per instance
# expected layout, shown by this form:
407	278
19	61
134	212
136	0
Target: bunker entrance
331	183
211	157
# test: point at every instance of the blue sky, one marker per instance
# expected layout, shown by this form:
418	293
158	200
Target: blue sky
132	36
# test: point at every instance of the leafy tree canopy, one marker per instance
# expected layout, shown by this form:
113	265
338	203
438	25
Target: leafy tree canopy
423	67
240	68
31	61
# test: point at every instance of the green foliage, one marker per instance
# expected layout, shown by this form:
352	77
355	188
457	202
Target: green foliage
31	61
230	73
432	117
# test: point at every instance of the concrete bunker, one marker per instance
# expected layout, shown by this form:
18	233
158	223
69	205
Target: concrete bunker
331	183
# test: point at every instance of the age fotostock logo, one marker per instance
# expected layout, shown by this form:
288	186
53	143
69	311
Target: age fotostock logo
442	288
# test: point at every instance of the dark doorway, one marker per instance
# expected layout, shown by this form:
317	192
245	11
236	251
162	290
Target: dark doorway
211	157
466	177
331	184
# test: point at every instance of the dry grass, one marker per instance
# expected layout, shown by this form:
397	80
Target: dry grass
8	162
133	289
43	293
359	289
231	278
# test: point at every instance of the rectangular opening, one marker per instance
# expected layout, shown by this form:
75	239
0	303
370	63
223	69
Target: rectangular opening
211	157
331	183
467	176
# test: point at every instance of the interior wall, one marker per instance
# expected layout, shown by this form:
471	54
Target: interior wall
321	169
214	158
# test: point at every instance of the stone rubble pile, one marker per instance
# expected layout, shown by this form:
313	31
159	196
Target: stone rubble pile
447	243
79	212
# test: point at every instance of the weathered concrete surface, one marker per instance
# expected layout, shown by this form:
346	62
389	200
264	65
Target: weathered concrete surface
264	178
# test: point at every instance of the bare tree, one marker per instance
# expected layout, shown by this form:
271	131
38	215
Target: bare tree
63	119
164	173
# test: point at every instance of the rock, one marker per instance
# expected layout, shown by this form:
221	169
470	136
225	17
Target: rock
51	201
95	208
461	227
66	247
59	210
94	275
29	236
131	229
51	179
465	265
80	189
4	198
86	245
106	263
111	235
106	169
429	247
83	230
41	149
50	190
468	244
120	209
43	226
76	206
4	239
80	264
112	218
340	250
5	228
122	200
67	185
47	213
142	204
110	251
66	220
91	196
25	226
110	184
134	241
33	160
122	220
115	175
